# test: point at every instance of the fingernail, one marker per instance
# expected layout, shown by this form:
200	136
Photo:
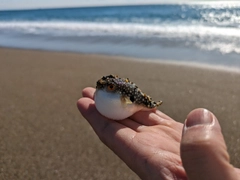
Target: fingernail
199	117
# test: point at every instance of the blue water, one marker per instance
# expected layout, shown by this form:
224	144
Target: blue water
206	33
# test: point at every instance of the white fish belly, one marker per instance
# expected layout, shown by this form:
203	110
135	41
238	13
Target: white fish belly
111	106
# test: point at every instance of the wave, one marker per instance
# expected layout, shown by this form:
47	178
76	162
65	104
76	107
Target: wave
223	39
212	14
123	29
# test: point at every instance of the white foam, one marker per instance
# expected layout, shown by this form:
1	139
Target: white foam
223	39
171	29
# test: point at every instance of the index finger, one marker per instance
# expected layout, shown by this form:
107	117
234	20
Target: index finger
88	92
115	135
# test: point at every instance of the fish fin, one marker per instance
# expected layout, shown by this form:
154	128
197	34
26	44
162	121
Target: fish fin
126	100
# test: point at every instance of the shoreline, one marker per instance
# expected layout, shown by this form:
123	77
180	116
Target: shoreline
189	64
45	137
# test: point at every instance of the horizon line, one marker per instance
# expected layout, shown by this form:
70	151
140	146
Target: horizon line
123	4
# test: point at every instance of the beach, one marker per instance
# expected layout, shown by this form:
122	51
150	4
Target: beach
43	135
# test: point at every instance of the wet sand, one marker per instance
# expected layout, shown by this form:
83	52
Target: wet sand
43	136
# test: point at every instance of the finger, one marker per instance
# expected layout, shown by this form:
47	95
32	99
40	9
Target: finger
113	134
174	124
151	118
203	150
88	92
238	171
147	118
162	115
106	129
132	124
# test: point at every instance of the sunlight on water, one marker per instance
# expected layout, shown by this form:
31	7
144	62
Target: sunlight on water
205	27
223	39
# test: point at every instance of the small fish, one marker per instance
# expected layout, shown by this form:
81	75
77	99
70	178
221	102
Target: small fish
118	98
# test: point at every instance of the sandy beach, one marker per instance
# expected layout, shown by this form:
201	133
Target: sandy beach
43	135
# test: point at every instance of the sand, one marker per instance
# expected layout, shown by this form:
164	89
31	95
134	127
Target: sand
43	136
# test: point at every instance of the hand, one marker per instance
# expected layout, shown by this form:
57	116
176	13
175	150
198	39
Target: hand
155	146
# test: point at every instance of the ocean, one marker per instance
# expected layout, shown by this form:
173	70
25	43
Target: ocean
202	33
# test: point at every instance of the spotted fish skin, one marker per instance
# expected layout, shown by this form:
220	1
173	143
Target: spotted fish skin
127	89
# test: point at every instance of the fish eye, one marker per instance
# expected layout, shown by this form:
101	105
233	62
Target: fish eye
111	87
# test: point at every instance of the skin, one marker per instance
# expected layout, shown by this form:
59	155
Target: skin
155	146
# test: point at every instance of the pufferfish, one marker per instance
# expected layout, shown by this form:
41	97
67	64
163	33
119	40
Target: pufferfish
118	98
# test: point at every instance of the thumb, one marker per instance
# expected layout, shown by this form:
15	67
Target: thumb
203	150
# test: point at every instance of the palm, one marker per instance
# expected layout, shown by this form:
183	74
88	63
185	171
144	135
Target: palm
157	150
148	142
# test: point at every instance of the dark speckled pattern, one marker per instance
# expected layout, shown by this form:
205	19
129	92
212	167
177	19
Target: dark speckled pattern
127	89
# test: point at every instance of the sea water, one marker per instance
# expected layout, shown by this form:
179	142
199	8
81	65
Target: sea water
206	33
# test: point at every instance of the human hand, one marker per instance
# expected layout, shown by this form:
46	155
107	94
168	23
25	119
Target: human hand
155	146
